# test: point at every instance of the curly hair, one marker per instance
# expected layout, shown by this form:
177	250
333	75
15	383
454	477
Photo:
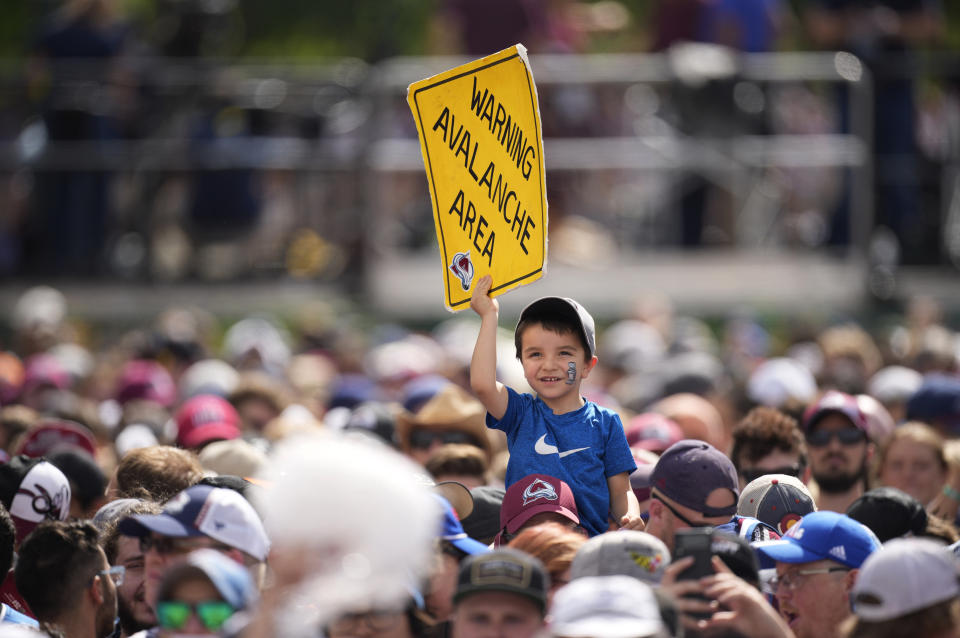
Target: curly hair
157	473
764	430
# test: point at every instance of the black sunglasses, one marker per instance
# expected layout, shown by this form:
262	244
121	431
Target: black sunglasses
847	436
680	516
751	474
424	439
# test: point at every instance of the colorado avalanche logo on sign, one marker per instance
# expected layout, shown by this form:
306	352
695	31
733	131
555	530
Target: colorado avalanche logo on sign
462	267
539	489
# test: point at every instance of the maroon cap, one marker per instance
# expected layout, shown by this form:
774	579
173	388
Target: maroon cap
834	401
689	470
145	379
206	418
652	431
533	494
49	436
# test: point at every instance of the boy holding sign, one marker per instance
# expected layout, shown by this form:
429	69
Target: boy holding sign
557	432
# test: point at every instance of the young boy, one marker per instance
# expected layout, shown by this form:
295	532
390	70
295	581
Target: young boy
556	432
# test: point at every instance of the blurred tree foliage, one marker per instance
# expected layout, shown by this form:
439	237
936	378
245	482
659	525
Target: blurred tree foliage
368	29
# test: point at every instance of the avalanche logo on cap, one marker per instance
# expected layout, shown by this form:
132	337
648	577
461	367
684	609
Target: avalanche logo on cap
539	489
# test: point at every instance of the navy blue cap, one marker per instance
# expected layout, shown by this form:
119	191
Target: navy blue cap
823	536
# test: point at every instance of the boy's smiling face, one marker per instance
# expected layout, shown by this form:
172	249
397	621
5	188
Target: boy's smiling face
546	357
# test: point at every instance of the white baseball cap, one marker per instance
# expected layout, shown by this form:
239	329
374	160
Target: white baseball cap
905	575
605	607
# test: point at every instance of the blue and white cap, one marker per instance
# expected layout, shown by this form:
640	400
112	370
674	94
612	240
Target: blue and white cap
823	536
219	513
452	531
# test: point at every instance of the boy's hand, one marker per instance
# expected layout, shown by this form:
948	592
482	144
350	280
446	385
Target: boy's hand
632	521
480	301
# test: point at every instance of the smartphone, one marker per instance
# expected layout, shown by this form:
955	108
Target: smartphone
697	543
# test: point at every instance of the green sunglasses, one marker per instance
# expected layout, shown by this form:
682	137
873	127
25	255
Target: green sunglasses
174	614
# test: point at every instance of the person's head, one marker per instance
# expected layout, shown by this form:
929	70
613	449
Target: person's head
453	546
913	460
606	607
777	500
536	499
555	341
452	415
630	553
907	588
87	481
155	473
501	593
817	562
64	576
394	621
8	539
198	518
199	595
837	443
204	419
554	545
33	490
768	441
133	609
693	484
889	513
460	462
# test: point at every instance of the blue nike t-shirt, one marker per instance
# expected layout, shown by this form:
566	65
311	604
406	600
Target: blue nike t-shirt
582	448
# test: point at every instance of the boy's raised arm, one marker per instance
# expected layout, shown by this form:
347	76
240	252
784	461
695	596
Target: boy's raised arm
483	366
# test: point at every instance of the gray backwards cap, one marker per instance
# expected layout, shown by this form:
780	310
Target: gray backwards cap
566	307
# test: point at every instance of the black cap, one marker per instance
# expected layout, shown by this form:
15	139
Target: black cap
889	513
503	570
483	523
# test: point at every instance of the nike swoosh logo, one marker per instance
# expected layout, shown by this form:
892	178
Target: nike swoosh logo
542	447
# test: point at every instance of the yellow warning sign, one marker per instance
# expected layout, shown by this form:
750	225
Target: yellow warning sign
479	127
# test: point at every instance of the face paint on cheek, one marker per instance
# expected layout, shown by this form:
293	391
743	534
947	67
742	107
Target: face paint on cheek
571	373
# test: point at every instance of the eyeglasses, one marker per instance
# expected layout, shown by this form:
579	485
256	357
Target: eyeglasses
114	573
847	436
751	474
375	621
791	580
683	519
424	439
167	545
174	614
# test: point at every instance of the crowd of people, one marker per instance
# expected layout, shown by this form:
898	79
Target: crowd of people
552	479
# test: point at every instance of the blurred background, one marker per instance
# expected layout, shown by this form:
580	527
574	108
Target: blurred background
788	158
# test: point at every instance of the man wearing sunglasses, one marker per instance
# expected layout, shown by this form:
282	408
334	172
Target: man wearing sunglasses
693	484
64	576
768	441
840	451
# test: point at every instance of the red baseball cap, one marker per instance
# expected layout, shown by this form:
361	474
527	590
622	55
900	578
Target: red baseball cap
533	494
51	435
206	418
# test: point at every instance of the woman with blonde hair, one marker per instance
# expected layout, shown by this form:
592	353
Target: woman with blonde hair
913	460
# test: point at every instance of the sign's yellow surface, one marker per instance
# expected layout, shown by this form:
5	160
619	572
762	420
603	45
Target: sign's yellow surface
479	127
